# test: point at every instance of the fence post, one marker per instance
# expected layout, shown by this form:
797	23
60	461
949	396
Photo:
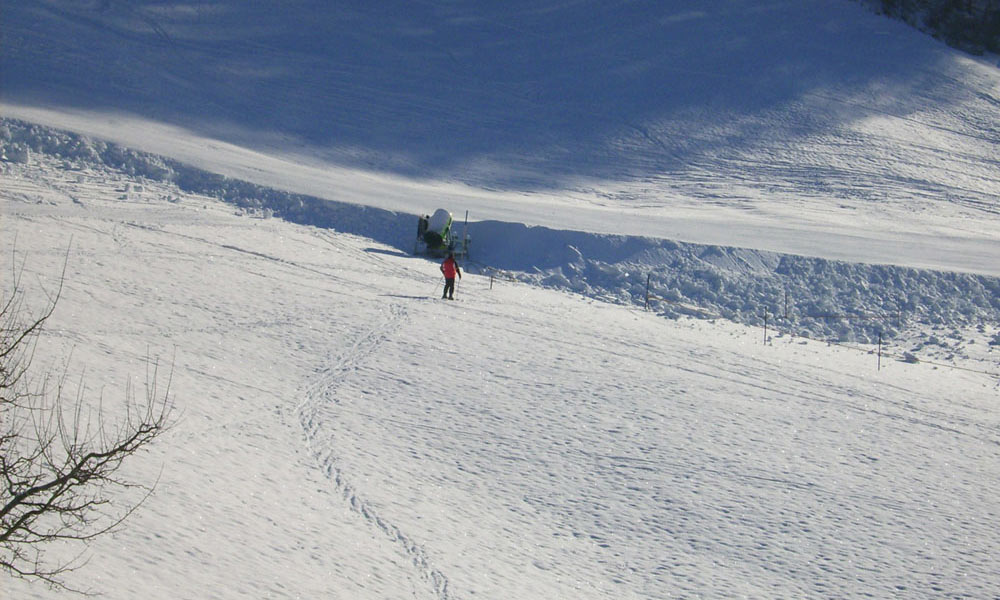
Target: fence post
648	275
765	326
880	351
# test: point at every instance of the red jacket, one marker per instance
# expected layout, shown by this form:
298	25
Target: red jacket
450	268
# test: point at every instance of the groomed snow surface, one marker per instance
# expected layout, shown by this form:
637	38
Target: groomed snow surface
345	433
234	188
812	128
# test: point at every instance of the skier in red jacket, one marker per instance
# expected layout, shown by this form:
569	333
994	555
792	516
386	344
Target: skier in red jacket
450	268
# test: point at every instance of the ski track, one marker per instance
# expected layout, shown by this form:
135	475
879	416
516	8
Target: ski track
320	406
334	240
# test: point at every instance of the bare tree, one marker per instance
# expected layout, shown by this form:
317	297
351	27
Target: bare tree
60	455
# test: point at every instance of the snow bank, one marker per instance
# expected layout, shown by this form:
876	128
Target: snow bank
805	296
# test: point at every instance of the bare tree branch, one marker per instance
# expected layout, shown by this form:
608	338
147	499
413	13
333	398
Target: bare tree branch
60	457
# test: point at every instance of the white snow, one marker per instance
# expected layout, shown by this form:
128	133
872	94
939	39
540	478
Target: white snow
344	433
812	128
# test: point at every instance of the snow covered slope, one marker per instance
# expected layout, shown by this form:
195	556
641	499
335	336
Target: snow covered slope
819	298
811	128
347	434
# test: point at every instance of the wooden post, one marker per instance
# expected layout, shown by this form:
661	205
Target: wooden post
880	351
648	275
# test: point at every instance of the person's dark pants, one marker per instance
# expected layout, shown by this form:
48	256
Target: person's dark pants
449	288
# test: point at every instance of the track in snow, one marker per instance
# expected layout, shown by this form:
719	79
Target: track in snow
320	406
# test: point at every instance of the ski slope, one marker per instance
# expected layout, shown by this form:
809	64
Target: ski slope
344	433
812	128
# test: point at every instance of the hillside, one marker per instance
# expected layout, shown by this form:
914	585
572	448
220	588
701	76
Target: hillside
811	193
749	124
344	433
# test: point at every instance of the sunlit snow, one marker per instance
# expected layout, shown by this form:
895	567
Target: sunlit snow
343	432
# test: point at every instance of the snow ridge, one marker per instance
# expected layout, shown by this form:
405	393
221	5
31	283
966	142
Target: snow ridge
811	297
